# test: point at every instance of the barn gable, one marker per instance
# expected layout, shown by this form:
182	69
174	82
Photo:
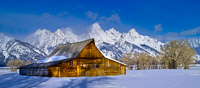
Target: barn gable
90	51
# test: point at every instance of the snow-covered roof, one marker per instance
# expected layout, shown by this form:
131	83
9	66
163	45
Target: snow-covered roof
114	60
53	58
43	65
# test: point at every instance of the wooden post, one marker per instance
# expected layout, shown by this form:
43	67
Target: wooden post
58	71
78	70
103	66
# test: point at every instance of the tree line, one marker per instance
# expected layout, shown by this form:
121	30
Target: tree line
173	55
15	63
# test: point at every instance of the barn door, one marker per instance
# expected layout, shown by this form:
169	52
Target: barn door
83	70
54	71
91	70
94	70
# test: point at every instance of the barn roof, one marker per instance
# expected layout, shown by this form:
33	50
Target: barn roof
71	50
42	65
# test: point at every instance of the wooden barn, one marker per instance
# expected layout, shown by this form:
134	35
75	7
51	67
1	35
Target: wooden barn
83	59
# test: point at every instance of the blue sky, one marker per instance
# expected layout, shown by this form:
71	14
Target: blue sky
161	19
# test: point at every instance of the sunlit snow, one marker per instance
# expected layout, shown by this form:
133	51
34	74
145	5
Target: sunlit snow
159	78
53	58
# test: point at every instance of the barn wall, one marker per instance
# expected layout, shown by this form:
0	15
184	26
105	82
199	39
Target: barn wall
113	68
34	71
90	51
64	69
90	62
91	57
90	67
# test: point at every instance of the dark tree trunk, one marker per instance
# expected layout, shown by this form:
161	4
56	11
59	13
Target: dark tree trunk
172	64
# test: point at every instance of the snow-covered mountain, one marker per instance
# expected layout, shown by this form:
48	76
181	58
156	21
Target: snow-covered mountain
15	49
46	40
111	42
195	43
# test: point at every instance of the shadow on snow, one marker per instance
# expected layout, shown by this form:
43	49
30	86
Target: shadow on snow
88	82
14	80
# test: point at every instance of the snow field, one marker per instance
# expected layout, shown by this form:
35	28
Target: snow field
133	79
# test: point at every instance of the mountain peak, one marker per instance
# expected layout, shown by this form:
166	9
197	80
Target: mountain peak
132	30
96	26
96	31
41	31
59	32
112	30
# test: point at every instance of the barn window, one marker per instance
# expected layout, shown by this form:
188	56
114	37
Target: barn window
97	66
93	66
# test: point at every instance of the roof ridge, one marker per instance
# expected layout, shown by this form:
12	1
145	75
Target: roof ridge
77	42
70	50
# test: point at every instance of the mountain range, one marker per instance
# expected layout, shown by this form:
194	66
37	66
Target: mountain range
110	42
11	48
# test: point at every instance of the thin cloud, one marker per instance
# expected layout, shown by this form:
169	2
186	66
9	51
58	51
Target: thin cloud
91	15
114	17
158	27
94	16
62	13
46	14
178	36
169	37
20	24
194	31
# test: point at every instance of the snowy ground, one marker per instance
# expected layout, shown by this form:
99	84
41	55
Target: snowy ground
133	79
